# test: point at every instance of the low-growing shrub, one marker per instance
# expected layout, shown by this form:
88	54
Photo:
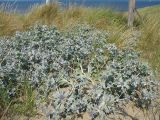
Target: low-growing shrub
74	72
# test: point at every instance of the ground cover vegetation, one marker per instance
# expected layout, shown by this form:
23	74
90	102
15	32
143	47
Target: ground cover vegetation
81	66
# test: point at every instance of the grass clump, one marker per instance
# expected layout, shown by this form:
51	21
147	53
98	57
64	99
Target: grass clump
149	42
45	14
9	23
53	14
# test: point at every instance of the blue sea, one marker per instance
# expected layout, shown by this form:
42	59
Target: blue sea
118	5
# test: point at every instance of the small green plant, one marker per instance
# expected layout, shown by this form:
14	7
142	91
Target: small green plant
25	104
18	100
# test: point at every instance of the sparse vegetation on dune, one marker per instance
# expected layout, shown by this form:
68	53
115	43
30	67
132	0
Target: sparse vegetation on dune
74	72
86	66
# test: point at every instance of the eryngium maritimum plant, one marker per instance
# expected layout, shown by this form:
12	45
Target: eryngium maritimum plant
78	71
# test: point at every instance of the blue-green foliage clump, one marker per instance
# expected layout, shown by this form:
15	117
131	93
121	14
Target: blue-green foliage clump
76	71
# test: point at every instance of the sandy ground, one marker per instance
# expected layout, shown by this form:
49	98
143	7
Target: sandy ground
129	112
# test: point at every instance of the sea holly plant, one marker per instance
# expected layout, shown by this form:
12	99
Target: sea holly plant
74	72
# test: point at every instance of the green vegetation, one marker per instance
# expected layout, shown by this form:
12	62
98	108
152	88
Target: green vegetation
149	42
78	33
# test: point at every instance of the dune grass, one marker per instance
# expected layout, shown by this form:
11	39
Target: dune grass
45	14
149	42
9	23
54	15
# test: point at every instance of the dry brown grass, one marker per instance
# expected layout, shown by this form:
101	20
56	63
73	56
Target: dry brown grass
61	17
9	23
45	14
